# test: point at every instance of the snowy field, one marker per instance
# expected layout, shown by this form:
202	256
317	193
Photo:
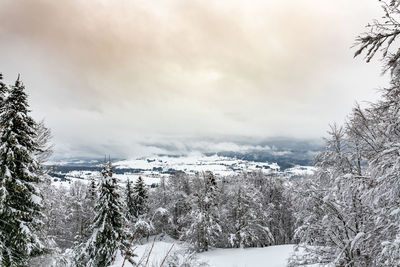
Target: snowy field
273	256
152	169
193	163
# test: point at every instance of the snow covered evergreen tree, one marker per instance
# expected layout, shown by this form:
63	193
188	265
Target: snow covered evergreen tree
130	204
109	226
20	215
140	196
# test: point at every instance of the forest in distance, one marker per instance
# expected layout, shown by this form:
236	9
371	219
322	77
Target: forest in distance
345	212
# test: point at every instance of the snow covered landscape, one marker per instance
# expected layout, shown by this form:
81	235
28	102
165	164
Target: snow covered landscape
186	133
154	168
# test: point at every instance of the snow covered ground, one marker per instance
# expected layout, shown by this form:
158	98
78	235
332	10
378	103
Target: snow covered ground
152	169
299	171
273	256
194	163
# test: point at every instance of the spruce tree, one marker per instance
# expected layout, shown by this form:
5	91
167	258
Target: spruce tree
108	228
130	203
140	198
20	197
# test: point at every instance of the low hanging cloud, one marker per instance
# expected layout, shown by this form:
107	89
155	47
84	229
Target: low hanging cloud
113	74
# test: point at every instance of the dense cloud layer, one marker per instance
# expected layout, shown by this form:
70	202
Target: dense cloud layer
110	75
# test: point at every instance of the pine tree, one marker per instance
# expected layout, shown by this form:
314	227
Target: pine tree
140	198
20	197
109	226
130	203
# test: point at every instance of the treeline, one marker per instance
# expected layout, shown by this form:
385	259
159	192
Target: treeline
246	210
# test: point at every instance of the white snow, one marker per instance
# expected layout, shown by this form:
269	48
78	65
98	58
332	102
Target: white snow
300	170
158	252
157	255
194	163
273	256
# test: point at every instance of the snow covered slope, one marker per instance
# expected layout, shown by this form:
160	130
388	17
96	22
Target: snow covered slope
274	256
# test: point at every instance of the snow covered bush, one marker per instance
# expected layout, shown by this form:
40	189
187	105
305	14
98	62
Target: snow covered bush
142	229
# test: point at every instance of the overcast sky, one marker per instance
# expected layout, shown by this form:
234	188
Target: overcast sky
117	76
